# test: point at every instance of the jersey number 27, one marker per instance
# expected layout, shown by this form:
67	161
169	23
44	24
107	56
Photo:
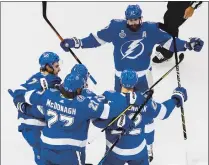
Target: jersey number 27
67	120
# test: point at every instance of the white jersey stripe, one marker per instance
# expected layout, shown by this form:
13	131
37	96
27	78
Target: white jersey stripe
149	128
79	157
27	96
63	141
34	122
99	40
127	152
105	112
162	112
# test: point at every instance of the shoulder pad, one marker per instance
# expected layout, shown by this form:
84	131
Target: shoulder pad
38	74
32	81
118	20
87	93
111	91
87	90
149	22
106	93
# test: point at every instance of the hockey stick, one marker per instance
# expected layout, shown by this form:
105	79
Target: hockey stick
133	118
150	93
179	85
181	57
44	5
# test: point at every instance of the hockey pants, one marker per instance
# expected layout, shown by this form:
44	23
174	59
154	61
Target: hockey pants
62	157
32	136
113	160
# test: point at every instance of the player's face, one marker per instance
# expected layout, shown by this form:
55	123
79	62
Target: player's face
134	24
56	68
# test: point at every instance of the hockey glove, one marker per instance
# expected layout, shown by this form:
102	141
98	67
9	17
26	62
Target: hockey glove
195	44
20	106
179	96
70	43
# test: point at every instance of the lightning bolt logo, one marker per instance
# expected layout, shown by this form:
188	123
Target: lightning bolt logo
131	49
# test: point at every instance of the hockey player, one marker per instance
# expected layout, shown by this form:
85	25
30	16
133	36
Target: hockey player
132	148
67	115
177	13
82	71
133	42
29	126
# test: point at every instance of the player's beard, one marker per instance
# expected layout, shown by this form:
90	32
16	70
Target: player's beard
134	28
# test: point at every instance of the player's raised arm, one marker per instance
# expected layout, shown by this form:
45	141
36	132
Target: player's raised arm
166	40
163	110
31	97
98	109
93	40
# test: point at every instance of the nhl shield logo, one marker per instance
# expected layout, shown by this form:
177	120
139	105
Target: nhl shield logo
122	34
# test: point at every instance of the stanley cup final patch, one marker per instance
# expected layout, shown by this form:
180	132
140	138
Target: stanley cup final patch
122	34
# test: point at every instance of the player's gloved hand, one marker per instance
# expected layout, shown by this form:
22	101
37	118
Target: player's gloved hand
123	123
11	93
148	93
70	43
179	96
195	44
18	102
20	105
15	94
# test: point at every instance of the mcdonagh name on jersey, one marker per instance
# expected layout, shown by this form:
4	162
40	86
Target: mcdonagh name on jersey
55	105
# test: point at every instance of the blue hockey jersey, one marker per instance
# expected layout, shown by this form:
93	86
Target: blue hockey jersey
67	119
131	49
27	121
132	146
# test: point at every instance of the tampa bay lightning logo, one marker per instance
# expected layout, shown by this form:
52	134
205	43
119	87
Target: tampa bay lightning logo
132	49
